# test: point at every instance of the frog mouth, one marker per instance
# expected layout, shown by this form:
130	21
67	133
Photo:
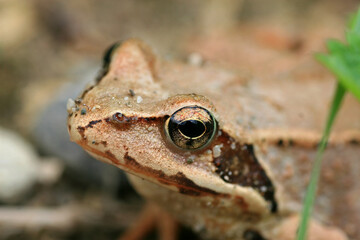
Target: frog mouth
179	180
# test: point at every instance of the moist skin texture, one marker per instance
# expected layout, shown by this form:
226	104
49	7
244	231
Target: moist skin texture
249	181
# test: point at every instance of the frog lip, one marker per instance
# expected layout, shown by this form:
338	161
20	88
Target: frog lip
129	164
179	180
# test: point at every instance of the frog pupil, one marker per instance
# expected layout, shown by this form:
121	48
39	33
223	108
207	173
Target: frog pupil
192	128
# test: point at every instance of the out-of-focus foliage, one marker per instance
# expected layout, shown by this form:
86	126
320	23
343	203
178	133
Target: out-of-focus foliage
343	60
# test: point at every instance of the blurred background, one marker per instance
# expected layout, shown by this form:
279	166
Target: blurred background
50	49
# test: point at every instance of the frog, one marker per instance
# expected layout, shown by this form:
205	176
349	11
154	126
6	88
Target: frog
225	153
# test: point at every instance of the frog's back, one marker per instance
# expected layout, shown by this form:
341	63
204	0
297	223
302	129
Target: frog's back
284	114
295	100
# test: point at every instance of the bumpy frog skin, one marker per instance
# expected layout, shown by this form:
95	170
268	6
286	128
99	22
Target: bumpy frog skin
244	175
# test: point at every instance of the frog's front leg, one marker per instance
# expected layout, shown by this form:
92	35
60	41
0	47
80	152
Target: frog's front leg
288	227
150	218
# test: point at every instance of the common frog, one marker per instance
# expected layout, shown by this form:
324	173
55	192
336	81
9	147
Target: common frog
226	153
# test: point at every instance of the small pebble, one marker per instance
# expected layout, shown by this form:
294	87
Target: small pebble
217	150
19	166
190	159
132	93
50	171
70	105
139	99
83	111
195	59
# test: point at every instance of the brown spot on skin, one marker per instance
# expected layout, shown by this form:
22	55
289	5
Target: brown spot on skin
121	118
148	119
81	132
104	143
123	122
239	165
188	191
252	235
92	123
111	157
282	141
241	202
285	142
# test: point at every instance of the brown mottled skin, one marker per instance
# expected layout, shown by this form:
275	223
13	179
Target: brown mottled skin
268	132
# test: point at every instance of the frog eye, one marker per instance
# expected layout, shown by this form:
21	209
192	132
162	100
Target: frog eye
191	127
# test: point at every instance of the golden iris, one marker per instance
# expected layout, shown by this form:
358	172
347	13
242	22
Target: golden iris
191	127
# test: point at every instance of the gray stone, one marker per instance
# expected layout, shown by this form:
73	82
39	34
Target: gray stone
52	136
19	166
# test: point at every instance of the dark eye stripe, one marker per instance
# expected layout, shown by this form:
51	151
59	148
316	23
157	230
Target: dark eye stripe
238	164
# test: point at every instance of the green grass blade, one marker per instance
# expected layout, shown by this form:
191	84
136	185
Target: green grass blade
341	70
353	39
355	22
343	61
310	194
335	46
